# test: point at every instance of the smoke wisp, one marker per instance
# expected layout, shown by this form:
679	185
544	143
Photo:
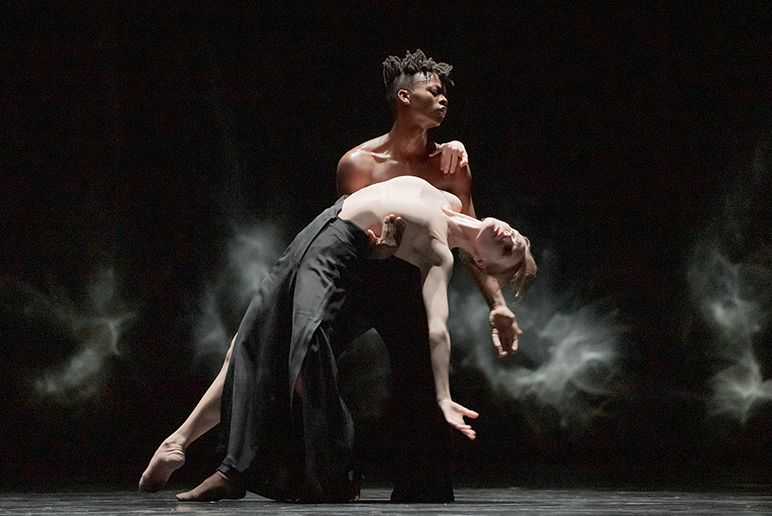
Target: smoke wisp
733	297
733	301
251	253
97	324
566	368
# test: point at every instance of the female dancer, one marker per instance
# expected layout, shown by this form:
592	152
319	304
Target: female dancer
289	433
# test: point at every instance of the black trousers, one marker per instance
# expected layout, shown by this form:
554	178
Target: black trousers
417	437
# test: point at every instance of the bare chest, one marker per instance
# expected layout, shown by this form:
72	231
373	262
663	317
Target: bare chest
428	170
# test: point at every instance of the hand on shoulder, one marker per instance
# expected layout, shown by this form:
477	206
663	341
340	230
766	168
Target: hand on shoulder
453	156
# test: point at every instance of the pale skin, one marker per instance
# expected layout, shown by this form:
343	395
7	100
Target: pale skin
405	150
434	226
170	456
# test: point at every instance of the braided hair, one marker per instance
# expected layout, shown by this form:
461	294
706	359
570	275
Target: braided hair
400	73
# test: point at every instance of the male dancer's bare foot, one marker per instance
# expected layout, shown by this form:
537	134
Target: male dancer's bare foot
167	458
217	487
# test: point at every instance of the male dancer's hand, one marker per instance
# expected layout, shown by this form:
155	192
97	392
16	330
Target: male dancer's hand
453	157
391	237
504	330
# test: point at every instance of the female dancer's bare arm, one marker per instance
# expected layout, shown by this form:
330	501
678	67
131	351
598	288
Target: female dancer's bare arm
435	294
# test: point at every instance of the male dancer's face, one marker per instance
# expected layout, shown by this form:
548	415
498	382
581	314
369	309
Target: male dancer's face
428	100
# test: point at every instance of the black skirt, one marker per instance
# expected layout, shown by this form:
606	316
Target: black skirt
288	432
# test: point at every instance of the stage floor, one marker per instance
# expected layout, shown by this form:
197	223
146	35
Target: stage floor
472	502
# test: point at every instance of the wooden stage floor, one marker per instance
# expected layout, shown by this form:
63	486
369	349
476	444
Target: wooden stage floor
472	502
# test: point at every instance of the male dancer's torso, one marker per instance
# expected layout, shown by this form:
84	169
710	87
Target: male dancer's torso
374	162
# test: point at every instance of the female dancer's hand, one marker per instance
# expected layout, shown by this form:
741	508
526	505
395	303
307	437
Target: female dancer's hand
455	413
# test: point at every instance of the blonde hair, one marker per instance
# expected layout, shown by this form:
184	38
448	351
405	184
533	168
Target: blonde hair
523	272
514	277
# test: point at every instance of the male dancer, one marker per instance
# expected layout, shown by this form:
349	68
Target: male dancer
417	94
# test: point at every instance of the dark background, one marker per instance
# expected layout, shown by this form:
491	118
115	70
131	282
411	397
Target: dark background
132	138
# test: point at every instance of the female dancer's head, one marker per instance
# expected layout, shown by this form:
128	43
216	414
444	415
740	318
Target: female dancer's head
505	254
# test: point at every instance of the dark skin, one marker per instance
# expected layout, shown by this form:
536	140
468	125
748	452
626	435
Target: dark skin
407	149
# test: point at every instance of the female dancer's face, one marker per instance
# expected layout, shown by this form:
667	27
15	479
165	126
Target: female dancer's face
498	246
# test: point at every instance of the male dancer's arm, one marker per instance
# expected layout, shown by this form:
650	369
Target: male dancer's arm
504	327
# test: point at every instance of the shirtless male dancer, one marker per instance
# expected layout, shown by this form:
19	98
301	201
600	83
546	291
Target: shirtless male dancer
416	90
417	95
